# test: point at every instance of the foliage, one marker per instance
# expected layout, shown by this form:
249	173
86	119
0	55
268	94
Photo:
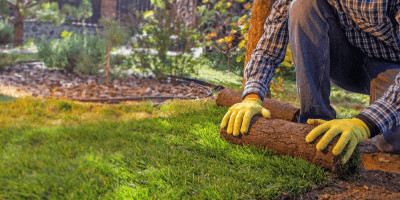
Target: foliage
74	53
6	32
7	60
63	150
83	11
163	30
226	24
10	59
227	32
219	61
114	35
114	32
16	11
43	10
286	70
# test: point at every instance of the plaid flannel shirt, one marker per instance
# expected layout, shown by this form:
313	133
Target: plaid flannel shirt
372	26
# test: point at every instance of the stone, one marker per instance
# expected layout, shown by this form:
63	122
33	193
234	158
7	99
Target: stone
147	91
34	29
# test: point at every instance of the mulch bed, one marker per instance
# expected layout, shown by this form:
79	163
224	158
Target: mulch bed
40	81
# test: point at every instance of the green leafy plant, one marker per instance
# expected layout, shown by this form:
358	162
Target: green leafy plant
10	59
226	29
74	53
7	60
6	32
17	11
21	10
80	13
163	31
114	35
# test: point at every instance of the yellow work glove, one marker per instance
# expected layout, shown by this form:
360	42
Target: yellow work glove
240	114
353	131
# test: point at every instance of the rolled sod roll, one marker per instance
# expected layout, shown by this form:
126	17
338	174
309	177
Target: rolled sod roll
288	138
228	97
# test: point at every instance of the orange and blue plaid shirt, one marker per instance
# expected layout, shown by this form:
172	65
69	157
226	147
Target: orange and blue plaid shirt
370	25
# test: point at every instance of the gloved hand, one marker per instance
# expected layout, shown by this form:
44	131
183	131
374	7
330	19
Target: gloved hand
240	114
353	131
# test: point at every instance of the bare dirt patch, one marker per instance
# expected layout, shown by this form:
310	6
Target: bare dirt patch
380	179
382	162
371	184
40	81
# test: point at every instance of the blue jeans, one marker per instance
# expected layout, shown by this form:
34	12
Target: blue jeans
322	54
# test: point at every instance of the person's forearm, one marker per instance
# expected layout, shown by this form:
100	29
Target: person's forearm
384	112
270	51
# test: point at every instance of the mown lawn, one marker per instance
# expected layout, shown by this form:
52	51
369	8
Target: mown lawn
53	149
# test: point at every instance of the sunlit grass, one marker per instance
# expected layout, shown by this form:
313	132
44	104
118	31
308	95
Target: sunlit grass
219	77
35	112
174	151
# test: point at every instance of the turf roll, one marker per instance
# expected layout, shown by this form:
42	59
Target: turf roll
228	97
288	138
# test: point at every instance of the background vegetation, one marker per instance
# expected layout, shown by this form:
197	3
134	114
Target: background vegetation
74	53
6	32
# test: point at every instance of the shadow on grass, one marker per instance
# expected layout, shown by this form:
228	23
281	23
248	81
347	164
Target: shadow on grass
4	98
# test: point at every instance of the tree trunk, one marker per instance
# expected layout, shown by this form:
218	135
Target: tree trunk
279	110
288	138
260	11
18	28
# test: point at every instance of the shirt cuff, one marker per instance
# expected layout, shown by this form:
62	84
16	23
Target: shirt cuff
373	128
382	114
253	87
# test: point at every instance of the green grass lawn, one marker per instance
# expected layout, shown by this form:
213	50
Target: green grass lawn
5	98
53	149
56	149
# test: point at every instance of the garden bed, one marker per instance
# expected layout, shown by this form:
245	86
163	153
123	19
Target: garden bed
40	81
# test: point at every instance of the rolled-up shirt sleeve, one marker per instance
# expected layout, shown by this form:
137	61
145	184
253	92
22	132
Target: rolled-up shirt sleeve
270	51
385	112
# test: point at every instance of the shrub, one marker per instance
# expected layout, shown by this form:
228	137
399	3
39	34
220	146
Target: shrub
10	59
74	53
7	60
163	30
6	32
218	61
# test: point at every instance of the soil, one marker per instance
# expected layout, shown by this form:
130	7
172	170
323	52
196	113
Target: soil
40	81
382	162
380	179
371	184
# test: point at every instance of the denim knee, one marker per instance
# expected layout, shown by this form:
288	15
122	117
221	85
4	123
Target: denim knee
299	11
